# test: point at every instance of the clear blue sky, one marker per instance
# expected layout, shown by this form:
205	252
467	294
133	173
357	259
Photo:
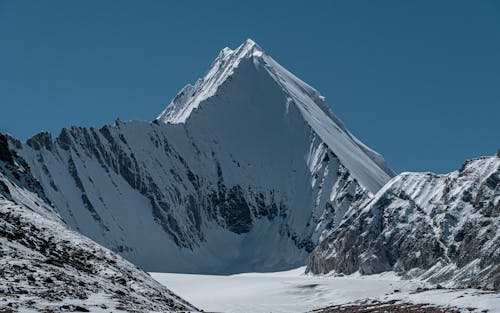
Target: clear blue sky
419	81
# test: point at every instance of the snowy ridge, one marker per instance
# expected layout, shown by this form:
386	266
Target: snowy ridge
440	228
247	170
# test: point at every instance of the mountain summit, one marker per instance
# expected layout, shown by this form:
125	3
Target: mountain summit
268	86
247	170
225	66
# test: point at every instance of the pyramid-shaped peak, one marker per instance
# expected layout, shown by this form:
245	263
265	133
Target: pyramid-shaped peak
259	75
226	65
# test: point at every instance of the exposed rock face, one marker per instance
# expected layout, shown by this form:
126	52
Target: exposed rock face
45	266
245	171
442	228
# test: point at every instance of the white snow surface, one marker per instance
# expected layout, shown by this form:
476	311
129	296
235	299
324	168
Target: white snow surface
294	292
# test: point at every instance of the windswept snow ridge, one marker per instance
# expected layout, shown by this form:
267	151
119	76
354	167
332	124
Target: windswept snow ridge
244	171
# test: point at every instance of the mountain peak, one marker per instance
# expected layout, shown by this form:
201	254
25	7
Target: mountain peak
239	77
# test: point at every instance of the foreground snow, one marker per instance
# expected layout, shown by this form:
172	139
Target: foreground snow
292	291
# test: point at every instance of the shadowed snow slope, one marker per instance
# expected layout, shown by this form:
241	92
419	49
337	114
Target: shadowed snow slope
244	171
441	228
45	266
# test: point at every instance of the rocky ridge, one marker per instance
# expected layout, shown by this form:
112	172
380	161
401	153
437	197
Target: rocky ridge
439	228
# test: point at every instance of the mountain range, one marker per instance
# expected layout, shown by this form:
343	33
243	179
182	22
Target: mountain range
248	169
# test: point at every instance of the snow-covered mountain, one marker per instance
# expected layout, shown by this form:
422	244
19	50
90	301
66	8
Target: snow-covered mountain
440	228
46	267
247	170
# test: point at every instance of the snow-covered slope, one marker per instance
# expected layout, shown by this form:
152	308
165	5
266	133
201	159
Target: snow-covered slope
45	266
441	228
245	171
